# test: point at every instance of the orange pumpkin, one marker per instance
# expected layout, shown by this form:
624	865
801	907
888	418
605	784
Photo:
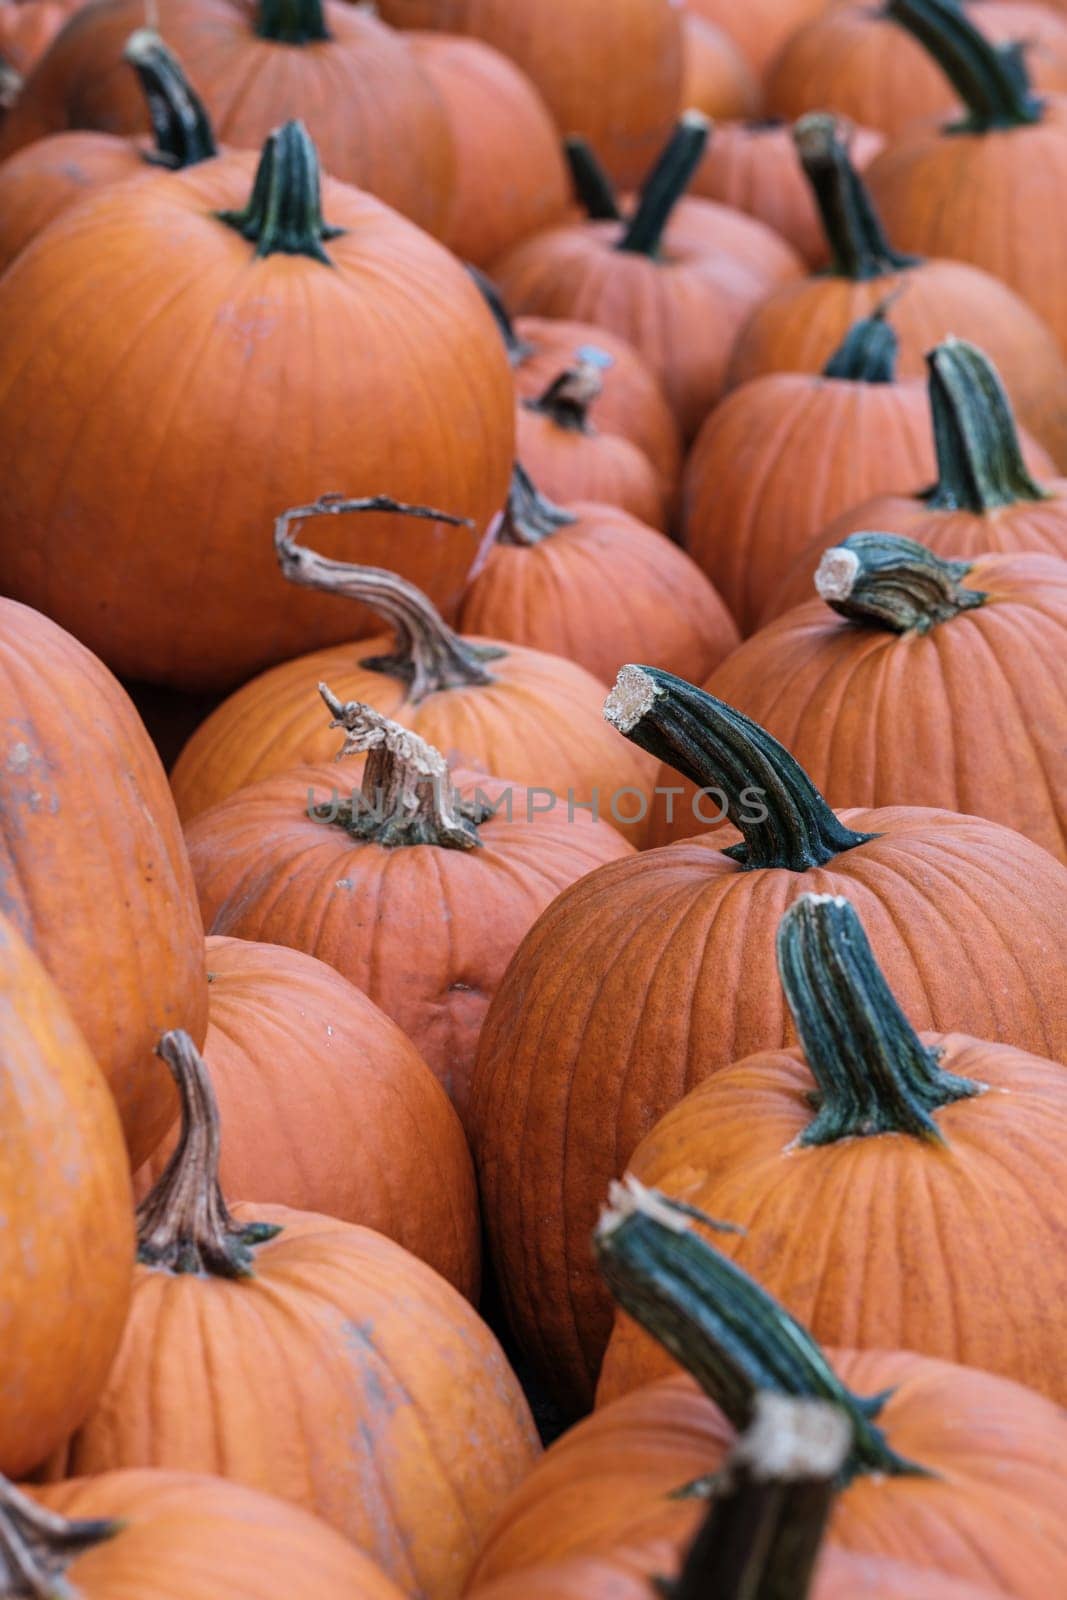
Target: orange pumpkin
717	80
326	1106
651	974
249	325
26	31
760	27
380	1401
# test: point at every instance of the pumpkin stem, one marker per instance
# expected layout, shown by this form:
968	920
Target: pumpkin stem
429	656
284	212
885	581
180	124
592	186
868	352
723	1328
407	795
990	79
184	1224
773	1500
873	1071
570	397
859	249
980	462
518	349
768	797
666	184
292	21
37	1545
529	516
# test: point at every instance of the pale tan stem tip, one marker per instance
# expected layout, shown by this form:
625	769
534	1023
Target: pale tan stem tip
836	574
633	695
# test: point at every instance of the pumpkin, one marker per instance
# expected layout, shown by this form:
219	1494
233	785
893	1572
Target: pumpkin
942	1456
249	328
717	80
752	501
761	27
93	865
801	324
372	111
677	279
328	1107
985	497
381	1402
175	1533
510	178
26	31
495	708
594	584
41	181
66	1245
612	74
651	974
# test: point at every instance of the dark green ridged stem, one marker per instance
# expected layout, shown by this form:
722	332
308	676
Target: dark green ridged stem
180	124
37	1545
882	580
284	212
292	21
868	352
665	185
528	516
569	398
991	79
859	249
980	462
593	189
518	350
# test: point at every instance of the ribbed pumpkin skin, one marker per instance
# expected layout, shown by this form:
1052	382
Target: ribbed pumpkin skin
187	1537
601	592
66	1244
779	458
48	176
378	1398
27	30
991	1445
93	865
540	722
760	27
611	73
653	974
718	80
376	118
221	353
327	1106
607	467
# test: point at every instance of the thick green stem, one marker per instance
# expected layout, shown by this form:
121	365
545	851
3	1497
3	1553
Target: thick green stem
592	186
882	580
569	398
180	124
292	21
518	350
37	1546
868	352
528	516
991	79
284	212
873	1072
665	185
980	462
783	818
859	249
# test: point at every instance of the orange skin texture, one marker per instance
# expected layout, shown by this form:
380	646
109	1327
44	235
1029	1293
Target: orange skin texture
682	312
603	591
327	1106
425	931
718	79
510	178
66	1246
380	1401
188	1537
761	27
27	30
613	74
570	465
798	328
215	371
375	116
93	869
967	716
48	176
992	1446
779	458
653	974
539	722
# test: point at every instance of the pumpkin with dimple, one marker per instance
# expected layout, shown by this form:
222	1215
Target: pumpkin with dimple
650	975
66	1243
176	374
326	1106
761	27
93	869
312	1359
718	79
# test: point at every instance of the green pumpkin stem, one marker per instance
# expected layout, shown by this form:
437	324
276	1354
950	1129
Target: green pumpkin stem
429	656
725	1330
980	462
592	186
529	517
37	1545
665	185
292	21
882	580
180	124
784	820
284	212
859	249
873	1072
868	352
569	398
991	79
518	349
184	1224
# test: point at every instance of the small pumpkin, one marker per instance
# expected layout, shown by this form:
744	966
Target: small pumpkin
718	80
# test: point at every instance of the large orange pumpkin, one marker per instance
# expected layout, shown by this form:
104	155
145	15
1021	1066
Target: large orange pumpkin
327	1106
651	974
93	865
181	370
378	1399
66	1244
